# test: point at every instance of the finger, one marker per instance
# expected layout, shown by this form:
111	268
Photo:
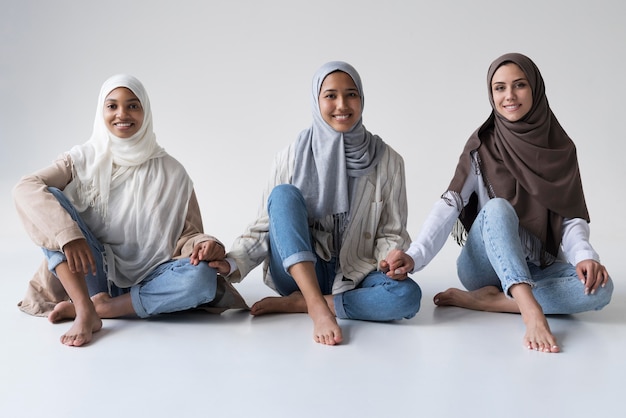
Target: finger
85	263
582	274
70	262
92	263
599	280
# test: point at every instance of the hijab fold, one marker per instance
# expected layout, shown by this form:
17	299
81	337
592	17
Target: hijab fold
531	162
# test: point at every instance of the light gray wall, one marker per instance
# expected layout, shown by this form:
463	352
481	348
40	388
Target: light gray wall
229	84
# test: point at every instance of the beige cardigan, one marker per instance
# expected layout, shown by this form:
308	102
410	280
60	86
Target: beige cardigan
378	219
50	226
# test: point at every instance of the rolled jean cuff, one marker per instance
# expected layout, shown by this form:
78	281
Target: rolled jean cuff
299	257
136	301
340	312
508	285
54	259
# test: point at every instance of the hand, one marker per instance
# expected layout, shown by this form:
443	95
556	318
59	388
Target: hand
80	257
207	251
222	267
592	274
397	265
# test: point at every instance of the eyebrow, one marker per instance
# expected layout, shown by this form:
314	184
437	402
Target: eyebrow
333	90
514	81
127	101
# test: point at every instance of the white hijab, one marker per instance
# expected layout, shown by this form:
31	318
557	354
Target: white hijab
105	161
131	193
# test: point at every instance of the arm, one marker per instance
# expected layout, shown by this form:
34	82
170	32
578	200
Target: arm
391	232
252	247
45	221
432	235
48	224
193	242
579	252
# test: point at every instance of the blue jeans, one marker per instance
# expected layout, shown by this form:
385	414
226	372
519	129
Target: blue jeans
493	256
376	298
173	286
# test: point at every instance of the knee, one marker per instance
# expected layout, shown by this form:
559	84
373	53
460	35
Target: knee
201	283
284	192
407	296
499	206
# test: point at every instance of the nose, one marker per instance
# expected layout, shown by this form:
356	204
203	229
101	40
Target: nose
341	102
510	94
121	112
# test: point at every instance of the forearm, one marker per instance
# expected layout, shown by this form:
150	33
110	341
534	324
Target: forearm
45	221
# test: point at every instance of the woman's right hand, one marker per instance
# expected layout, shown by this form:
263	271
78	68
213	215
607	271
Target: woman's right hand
80	257
397	265
222	267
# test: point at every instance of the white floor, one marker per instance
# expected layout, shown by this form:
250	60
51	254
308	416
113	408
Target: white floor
445	362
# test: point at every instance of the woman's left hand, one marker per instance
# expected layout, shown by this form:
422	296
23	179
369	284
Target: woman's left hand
592	274
207	251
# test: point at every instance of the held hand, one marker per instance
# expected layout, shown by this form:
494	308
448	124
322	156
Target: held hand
207	251
397	265
80	257
592	274
222	267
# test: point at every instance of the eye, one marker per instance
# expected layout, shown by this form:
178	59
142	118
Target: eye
330	96
111	106
520	85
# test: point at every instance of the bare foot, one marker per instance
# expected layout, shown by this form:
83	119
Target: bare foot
293	303
488	298
81	331
63	311
538	335
325	327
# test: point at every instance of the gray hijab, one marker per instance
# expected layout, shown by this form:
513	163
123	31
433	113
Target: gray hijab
325	158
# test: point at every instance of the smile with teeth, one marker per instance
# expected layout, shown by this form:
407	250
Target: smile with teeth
511	107
341	117
123	124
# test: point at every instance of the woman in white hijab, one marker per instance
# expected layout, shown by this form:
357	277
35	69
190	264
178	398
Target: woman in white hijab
119	222
334	207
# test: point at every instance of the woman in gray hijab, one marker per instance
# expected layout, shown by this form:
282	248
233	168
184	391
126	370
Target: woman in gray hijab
334	207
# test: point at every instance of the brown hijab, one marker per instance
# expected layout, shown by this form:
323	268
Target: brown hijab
531	162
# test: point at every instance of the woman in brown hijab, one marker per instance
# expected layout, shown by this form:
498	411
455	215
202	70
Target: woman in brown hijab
516	204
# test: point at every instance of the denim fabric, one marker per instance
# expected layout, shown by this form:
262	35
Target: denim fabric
493	256
173	286
376	298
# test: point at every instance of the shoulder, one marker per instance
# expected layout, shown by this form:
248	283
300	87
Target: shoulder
172	163
173	167
391	154
391	159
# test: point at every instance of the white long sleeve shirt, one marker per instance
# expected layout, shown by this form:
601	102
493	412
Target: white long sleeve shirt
575	246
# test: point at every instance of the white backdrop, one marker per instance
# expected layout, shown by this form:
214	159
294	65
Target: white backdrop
229	83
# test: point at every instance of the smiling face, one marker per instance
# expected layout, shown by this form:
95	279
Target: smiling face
340	101
123	113
512	95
